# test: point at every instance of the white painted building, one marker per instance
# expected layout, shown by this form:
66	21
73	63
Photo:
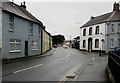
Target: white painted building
101	32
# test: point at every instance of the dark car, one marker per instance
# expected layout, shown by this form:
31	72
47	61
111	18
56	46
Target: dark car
55	46
116	51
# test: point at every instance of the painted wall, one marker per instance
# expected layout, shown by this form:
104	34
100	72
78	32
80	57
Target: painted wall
46	41
22	32
0	29
0	24
113	35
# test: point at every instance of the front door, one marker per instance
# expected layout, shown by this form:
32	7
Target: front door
89	44
26	48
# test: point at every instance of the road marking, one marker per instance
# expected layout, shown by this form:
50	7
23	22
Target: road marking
27	68
93	58
62	57
70	72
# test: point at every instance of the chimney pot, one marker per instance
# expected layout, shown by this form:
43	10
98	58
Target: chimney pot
116	6
92	17
23	5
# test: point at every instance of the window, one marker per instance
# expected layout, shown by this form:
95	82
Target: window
97	43
112	43
84	43
15	41
15	45
90	31
31	28
112	28
39	30
34	45
119	28
84	32
119	42
97	30
11	23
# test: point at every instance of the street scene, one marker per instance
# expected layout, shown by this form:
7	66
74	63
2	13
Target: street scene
59	41
56	67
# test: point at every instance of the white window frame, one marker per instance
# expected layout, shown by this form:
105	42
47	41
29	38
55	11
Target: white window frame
97	30
11	23
96	43
35	45
112	43
31	28
84	43
119	42
39	30
112	28
119	28
84	32
15	43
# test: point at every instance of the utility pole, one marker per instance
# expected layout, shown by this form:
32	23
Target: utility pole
70	41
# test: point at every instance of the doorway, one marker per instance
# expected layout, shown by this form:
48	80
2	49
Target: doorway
26	48
89	44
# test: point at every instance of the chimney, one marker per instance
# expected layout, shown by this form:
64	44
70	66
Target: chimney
92	17
116	6
23	5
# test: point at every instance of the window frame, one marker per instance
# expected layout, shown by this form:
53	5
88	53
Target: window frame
97	30
15	46
90	31
84	32
112	43
35	45
31	28
112	28
11	23
96	43
84	43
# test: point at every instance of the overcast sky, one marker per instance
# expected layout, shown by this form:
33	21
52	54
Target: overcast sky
63	17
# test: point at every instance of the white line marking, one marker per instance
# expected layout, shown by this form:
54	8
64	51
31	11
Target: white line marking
27	68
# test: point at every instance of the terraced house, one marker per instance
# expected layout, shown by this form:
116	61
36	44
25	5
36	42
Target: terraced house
21	31
101	32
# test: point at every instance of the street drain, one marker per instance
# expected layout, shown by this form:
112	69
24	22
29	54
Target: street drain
70	77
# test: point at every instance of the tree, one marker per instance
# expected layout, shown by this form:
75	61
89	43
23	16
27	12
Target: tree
58	39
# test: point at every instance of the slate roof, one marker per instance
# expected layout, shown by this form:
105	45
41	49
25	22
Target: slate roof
112	16
19	11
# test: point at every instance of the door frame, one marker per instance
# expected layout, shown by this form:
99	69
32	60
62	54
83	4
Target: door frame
26	48
89	44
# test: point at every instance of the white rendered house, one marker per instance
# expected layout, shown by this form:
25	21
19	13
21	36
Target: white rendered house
101	32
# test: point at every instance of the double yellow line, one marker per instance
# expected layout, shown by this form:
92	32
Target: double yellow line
72	71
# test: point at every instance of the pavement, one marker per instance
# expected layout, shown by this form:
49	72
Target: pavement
48	53
93	70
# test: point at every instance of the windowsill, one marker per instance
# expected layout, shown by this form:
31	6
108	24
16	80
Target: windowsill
35	49
118	32
31	34
96	47
112	33
11	30
15	51
112	48
96	33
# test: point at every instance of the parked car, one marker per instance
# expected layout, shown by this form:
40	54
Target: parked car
65	46
116	51
55	46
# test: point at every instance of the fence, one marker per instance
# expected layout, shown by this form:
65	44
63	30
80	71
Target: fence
114	65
